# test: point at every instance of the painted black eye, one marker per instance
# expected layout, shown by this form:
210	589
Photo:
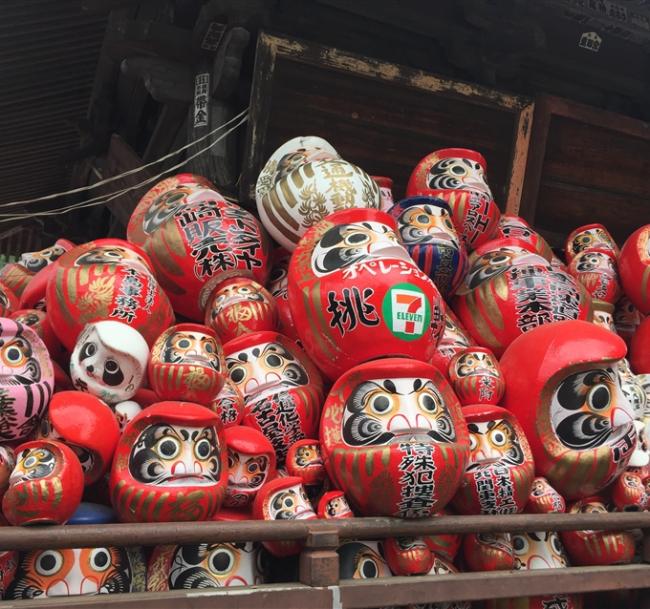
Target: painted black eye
423	219
273	361
87	350
498	438
221	561
380	404
169	448
209	347
288	502
427	403
368	569
599	397
184	343
237	374
100	559
202	449
113	375
13	355
356	238
520	544
49	562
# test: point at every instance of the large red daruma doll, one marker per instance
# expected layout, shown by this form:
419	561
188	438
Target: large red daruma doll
562	385
170	465
458	176
510	289
634	268
393	438
161	202
356	294
105	279
202	243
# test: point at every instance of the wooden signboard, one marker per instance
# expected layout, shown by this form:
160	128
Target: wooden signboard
380	116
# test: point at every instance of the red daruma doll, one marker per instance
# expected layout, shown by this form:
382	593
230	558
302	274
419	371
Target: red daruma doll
501	470
282	389
170	465
394	439
562	385
356	294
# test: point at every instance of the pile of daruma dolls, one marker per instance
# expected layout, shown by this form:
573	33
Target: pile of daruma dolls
408	359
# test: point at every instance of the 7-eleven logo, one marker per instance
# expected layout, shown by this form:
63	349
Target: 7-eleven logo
406	311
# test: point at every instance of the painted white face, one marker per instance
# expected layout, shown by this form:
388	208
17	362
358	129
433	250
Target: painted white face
346	244
515	227
632	388
589	262
109	360
385	411
591	238
456	173
246	473
427	224
589	410
174	455
214	566
290	504
362	560
494	441
475	363
604	319
33	464
265	369
496	262
539	550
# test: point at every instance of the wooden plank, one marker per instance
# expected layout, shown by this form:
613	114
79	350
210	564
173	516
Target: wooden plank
357	594
519	159
361	594
535	160
22	538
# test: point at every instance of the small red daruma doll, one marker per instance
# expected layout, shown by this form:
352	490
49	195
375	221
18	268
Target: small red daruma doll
562	385
170	465
283	499
333	504
476	377
251	463
304	460
634	268
394	439
588	548
239	306
589	237
86	425
187	364
544	499
282	389
408	555
597	271
501	470
489	552
356	294
459	176
46	485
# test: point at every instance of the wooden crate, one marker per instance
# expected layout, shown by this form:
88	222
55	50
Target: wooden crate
381	116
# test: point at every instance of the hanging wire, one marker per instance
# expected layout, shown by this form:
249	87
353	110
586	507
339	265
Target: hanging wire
102	199
126	173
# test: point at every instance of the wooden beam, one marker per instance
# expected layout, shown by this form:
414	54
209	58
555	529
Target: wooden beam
523	129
